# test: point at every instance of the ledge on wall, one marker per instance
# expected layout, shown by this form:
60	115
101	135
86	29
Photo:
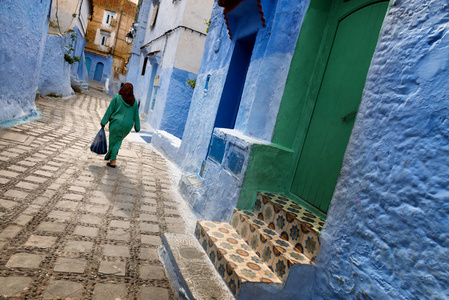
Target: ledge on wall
166	143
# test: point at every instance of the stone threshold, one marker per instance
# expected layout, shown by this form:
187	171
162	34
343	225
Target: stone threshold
189	269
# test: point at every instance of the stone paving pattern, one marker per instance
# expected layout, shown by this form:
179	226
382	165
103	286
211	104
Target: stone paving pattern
72	228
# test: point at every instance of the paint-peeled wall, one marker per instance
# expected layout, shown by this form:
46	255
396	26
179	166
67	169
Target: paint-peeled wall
386	232
24	26
54	79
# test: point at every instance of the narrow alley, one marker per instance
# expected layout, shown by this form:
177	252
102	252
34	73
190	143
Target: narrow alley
267	149
72	228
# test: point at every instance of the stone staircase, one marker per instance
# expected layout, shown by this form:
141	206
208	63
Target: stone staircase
258	249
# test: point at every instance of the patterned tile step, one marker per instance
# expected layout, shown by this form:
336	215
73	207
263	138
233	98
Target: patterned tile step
293	222
233	258
276	252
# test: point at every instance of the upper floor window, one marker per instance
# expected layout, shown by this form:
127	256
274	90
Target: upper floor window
144	67
49	9
109	17
154	15
104	35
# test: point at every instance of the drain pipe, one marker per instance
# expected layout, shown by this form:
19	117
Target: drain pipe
118	30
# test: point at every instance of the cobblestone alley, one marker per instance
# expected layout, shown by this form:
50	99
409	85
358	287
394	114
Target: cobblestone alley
72	228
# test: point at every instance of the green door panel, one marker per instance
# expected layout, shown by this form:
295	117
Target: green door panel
353	38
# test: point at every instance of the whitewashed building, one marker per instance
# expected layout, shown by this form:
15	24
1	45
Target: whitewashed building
166	56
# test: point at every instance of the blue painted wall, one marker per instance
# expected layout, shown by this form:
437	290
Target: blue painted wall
173	96
173	59
24	26
79	69
386	233
135	59
265	80
177	102
55	73
215	99
235	81
95	59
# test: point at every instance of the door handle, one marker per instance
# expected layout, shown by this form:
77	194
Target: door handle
348	115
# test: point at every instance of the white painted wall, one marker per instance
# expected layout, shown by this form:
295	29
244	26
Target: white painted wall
189	51
81	21
179	50
66	14
197	12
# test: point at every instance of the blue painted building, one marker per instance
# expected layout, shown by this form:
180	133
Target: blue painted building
79	76
236	100
382	235
54	79
166	56
24	26
58	74
385	231
97	66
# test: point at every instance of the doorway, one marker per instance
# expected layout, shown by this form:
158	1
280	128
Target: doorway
98	71
235	81
88	61
233	89
154	68
354	29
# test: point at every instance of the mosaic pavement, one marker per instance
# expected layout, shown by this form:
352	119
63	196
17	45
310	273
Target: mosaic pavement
72	228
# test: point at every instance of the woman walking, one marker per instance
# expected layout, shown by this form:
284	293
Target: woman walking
122	114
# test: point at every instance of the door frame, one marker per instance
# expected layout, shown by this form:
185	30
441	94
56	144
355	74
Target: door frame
97	67
315	72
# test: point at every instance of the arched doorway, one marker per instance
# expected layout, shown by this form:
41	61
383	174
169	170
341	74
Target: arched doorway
98	71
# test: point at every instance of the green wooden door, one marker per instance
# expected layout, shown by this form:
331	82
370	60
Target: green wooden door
353	36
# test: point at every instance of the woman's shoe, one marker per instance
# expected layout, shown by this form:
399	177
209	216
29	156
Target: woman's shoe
109	165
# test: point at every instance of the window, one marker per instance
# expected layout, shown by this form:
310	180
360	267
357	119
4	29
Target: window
145	61
154	15
49	9
109	17
104	36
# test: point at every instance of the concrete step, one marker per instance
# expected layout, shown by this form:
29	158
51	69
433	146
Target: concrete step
240	267
291	221
191	273
277	253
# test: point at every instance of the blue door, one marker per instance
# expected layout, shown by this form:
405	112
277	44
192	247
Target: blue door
99	71
88	65
150	89
235	81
